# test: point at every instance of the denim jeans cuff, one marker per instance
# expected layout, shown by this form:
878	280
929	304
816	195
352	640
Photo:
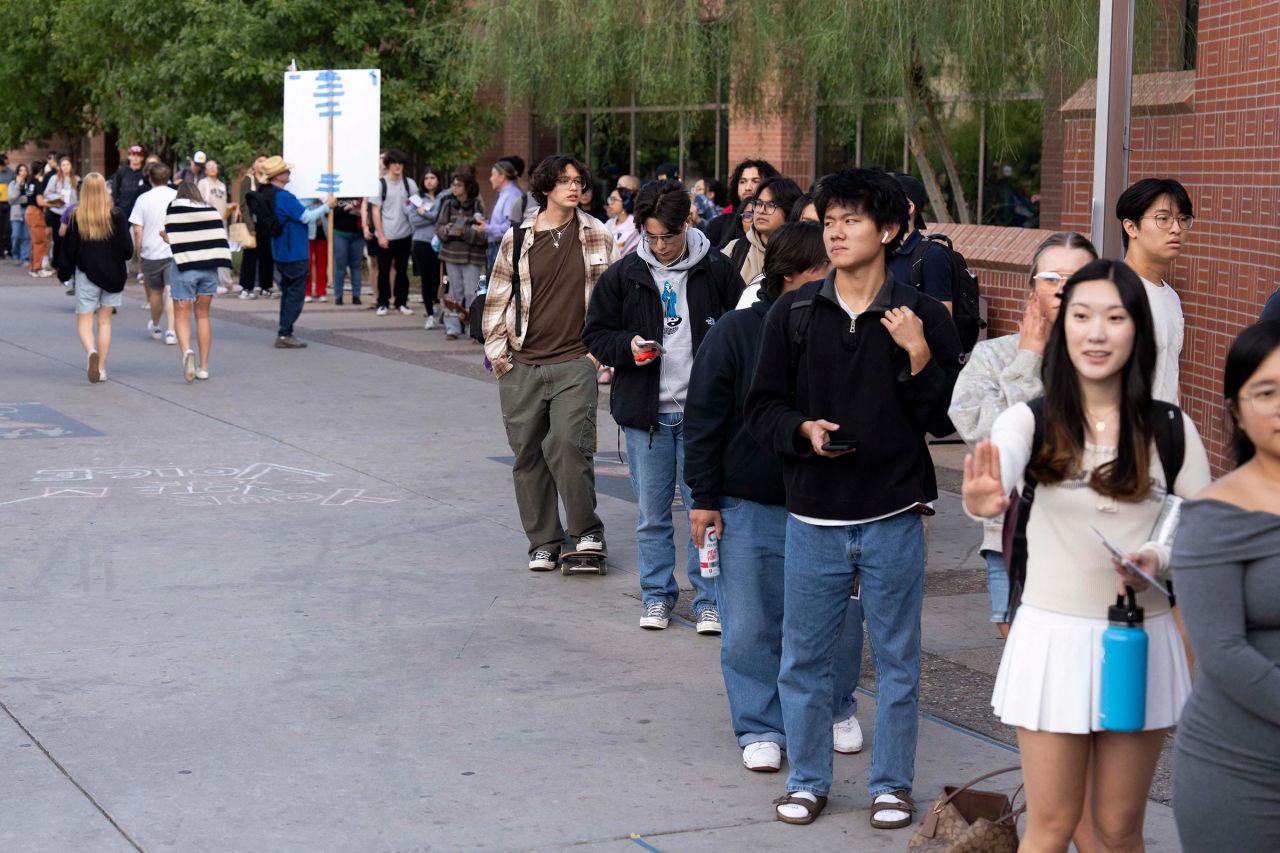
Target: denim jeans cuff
882	789
808	789
746	740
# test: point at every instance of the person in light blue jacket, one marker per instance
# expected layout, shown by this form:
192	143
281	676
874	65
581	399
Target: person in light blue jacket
425	258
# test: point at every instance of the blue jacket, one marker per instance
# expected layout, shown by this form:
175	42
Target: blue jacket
291	245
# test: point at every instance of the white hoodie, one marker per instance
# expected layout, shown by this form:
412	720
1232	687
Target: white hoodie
677	337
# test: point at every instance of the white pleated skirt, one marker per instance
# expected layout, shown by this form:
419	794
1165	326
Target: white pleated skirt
1051	671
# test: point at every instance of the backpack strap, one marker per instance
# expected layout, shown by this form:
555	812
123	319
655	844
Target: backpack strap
798	319
382	183
1171	439
917	263
517	246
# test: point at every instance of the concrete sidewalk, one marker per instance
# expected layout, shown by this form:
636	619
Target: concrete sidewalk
287	609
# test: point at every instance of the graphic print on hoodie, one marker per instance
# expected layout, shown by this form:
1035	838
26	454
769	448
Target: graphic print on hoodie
677	337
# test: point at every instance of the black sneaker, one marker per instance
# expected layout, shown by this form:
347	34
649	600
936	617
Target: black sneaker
543	560
355	300
337	300
591	542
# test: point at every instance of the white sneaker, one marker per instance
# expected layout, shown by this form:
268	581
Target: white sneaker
847	735
405	310
221	291
708	621
202	373
656	616
248	294
171	338
762	756
189	366
155	330
307	299
431	323
324	299
382	312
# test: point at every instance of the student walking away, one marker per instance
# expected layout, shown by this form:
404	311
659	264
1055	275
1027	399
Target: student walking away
20	235
508	208
738	491
289	245
1004	371
61	193
1226	559
348	248
1157	217
1096	454
393	232
647	319
130	180
198	239
460	227
423	210
853	371
36	227
257	266
770	209
156	258
95	256
747	175
533	321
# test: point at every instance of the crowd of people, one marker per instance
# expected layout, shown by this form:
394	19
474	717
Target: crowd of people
778	358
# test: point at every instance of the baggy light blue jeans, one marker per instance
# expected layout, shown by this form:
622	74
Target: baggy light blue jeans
888	559
750	592
656	462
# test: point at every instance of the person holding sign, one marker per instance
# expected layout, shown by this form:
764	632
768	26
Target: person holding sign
289	245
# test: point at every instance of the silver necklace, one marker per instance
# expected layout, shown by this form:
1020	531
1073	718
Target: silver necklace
556	235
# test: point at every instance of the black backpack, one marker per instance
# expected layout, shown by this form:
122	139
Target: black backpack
262	205
965	309
1171	446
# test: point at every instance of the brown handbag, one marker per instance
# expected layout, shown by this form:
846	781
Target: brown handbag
964	820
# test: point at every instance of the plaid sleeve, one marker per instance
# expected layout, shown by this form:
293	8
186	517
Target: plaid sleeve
494	322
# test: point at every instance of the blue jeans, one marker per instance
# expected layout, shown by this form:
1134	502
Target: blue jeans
656	461
20	240
997	586
750	593
888	556
348	254
293	288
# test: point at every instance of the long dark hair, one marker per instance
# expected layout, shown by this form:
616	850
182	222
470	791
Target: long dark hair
1251	347
795	247
1126	477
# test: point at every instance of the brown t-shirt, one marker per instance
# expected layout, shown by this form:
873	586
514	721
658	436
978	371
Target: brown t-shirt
558	308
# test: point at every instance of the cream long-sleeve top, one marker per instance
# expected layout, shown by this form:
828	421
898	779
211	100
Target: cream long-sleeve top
1069	570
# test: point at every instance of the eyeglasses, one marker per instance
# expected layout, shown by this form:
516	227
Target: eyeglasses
571	182
1264	403
765	207
1164	221
660	238
1049	277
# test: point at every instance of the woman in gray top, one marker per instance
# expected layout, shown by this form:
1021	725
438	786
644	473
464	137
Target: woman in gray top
1226	561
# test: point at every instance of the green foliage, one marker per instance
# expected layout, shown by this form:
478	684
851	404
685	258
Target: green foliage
178	75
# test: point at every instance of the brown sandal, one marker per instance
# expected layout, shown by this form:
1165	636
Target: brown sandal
812	809
904	804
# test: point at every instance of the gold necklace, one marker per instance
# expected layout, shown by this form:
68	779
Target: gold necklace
1100	424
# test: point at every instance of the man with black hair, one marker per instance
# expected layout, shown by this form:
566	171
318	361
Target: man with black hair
853	371
393	231
935	262
646	320
746	177
129	181
542	282
1156	216
770	208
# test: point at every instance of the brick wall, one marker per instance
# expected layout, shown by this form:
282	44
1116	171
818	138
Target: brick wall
778	142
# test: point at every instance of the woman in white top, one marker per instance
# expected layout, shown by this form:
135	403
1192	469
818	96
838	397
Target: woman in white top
62	193
1097	467
626	238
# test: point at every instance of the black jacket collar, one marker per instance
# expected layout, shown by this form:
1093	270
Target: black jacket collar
891	293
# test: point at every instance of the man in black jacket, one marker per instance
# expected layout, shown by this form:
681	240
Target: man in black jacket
129	181
738	489
647	317
853	371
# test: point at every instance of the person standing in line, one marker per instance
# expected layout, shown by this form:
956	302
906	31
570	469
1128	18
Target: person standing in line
460	227
626	237
747	175
770	209
508	208
147	220
935	278
393	231
1006	370
1226	560
1097	465
318	261
214	193
854	370
196	233
193	171
7	177
289	247
36	227
738	489
20	235
647	319
61	193
533	322
257	266
95	256
348	247
1156	216
425	259
130	180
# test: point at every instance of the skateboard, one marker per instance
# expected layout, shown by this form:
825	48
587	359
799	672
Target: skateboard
583	563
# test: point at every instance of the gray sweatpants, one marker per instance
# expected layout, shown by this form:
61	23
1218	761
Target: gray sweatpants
549	411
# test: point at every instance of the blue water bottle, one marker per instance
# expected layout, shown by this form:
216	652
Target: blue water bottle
1122	706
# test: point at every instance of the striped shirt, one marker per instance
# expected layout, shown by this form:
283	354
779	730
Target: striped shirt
196	236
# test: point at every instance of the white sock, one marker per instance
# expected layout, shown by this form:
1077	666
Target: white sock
795	811
891	814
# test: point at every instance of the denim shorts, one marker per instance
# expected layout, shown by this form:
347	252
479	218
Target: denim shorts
90	297
188	284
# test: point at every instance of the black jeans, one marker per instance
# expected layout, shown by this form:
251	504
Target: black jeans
427	263
397	252
5	232
293	288
54	221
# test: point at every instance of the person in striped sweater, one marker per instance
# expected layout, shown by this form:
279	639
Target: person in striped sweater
193	229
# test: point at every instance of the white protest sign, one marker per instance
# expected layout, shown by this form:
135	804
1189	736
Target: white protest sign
349	101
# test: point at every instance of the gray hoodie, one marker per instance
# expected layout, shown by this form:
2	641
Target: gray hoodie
677	338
